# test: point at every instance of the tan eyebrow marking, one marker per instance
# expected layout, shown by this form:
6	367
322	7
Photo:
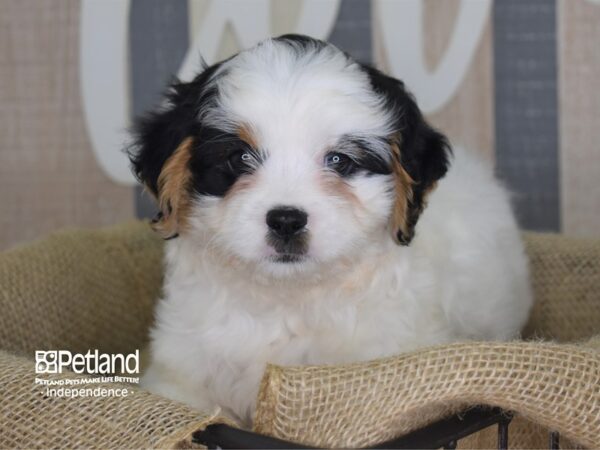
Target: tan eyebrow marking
245	133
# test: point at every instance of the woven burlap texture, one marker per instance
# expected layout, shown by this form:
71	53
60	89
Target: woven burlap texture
565	274
30	419
549	385
82	289
556	386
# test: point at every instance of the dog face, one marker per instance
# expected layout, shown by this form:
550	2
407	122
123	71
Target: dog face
288	157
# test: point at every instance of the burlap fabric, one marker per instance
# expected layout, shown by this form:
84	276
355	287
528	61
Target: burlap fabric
556	386
29	419
80	290
95	289
550	385
565	273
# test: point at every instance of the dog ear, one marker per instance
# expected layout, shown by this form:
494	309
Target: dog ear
161	152
420	155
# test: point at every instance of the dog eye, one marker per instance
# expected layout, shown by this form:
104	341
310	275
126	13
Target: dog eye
241	161
342	164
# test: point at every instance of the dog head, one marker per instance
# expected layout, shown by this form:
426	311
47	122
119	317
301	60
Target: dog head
289	156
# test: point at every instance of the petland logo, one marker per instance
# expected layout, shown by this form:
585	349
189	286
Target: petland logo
92	362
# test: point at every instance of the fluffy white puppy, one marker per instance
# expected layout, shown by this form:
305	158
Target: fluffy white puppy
315	218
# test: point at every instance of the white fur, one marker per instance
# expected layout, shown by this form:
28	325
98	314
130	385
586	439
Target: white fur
228	309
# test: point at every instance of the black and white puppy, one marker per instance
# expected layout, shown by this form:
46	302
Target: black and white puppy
318	219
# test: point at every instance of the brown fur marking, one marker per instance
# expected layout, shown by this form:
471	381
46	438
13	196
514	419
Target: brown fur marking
337	187
173	191
403	191
246	135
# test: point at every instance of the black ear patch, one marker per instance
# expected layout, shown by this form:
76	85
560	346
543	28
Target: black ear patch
159	133
157	137
420	154
164	141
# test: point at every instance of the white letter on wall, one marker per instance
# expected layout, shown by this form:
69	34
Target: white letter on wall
402	32
104	77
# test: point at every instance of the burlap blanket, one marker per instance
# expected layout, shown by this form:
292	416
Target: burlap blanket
80	290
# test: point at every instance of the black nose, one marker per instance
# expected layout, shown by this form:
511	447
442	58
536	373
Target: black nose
286	221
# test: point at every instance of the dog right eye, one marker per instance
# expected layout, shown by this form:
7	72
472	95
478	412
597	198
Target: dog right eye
241	161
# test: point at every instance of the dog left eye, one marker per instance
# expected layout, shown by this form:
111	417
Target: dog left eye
342	164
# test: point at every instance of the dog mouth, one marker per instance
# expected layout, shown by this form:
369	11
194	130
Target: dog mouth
288	251
287	258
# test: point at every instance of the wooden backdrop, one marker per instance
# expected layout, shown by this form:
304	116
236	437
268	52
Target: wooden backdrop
529	99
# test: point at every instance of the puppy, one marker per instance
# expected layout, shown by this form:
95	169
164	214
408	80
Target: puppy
313	216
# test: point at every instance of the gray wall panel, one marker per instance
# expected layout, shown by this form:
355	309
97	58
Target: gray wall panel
158	42
526	108
352	30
